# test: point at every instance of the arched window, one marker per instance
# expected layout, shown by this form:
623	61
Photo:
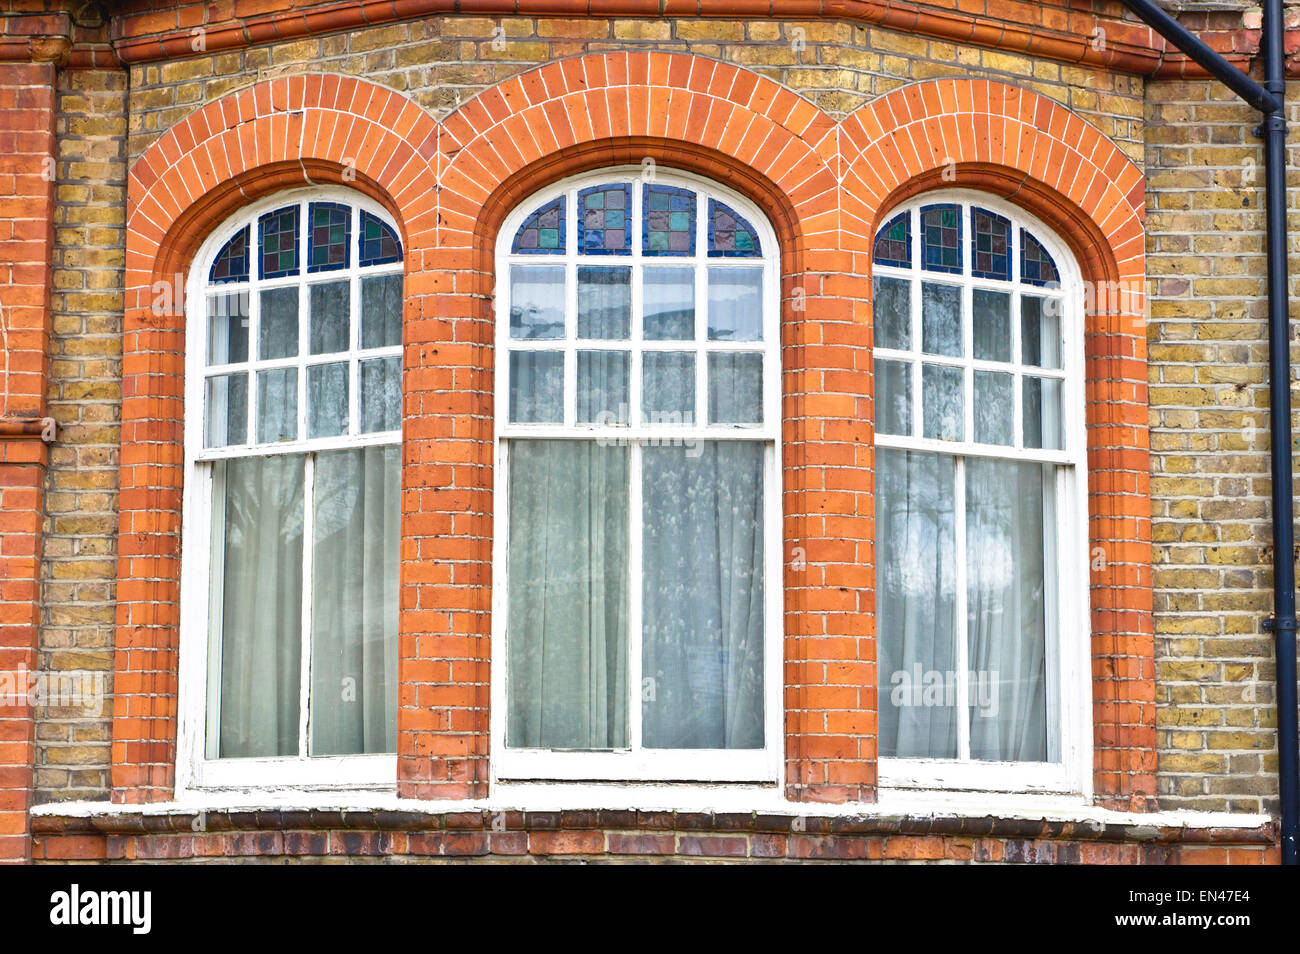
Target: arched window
293	426
637	620
981	603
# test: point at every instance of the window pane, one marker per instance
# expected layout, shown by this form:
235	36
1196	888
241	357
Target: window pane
277	336
1036	265
730	234
893	397
542	232
669	303
1042	413
990	255
377	243
1040	331
356	515
277	405
943	402
668	220
381	395
536	387
991	325
605	302
278	242
381	311
328	236
941	238
941	319
894	242
916	585
735	304
703	596
735	388
1007	507
604	220
668	387
536	301
256	600
567	612
994	408
225	420
327	399
603	394
330	321
228	328
231	263
892	317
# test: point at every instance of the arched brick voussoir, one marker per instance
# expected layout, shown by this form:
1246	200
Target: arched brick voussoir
618	96
372	133
926	126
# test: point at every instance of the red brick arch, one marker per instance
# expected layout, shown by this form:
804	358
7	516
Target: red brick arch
748	132
1023	146
1051	161
274	135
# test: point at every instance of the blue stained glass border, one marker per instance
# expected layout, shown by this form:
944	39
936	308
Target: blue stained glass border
730	234
543	232
881	250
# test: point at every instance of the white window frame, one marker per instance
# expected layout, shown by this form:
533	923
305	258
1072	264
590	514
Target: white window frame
198	710
1068	654
637	764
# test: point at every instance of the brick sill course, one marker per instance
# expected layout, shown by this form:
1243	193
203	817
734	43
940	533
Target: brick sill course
904	826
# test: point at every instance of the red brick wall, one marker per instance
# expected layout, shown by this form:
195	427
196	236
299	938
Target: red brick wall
634	835
823	185
223	156
1027	148
26	236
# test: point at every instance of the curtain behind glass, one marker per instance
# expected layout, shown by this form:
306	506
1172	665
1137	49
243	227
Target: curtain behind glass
568	600
257	533
702	578
1007	510
916	586
354	601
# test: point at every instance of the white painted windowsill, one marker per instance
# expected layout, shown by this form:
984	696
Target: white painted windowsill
543	797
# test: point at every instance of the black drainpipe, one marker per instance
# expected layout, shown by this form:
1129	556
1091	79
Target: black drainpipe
1269	99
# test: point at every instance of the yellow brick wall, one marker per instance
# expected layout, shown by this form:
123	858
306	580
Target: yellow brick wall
80	543
1209	438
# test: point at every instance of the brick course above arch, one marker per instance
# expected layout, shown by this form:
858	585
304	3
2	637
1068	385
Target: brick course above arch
824	187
